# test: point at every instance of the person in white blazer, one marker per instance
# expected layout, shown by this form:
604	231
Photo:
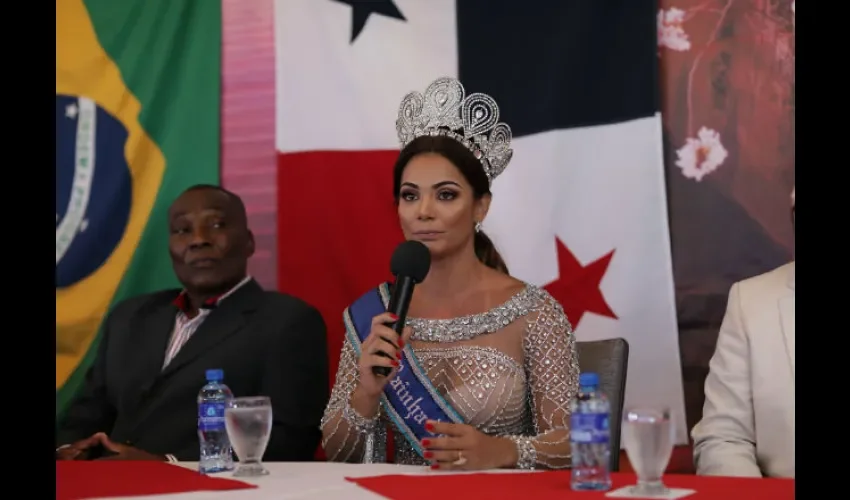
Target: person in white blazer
747	426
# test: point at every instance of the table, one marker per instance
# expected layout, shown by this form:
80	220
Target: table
326	480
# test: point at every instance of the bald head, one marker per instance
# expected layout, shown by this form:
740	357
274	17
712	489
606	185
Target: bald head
233	199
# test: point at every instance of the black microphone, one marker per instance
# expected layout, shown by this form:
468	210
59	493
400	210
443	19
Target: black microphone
409	264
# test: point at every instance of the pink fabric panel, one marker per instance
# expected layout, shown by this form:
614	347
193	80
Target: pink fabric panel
248	159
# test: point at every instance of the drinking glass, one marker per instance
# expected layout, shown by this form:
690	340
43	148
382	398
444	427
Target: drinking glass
249	425
648	436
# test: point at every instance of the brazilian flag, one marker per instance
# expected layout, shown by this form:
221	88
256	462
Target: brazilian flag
137	121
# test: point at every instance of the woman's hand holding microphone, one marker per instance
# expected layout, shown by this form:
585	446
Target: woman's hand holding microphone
381	340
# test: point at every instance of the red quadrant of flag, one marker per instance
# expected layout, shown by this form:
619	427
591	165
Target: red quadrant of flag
338	227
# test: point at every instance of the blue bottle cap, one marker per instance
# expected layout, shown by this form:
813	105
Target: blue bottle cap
215	375
588	379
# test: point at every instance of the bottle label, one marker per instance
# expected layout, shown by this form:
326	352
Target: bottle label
211	416
589	428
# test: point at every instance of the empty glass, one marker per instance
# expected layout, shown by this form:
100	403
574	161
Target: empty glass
648	436
249	426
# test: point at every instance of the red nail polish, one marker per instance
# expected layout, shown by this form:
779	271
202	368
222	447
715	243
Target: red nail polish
401	343
394	317
435	466
394	363
428	454
426	442
429	426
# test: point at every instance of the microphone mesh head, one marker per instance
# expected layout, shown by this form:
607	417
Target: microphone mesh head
411	259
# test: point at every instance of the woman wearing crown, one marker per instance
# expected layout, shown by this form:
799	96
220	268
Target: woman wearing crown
483	375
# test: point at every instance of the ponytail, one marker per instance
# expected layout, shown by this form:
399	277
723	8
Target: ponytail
486	252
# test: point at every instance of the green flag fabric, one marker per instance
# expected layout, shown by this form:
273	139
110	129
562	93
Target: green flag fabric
137	121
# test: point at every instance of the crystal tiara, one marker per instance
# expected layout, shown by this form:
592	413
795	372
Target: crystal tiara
473	120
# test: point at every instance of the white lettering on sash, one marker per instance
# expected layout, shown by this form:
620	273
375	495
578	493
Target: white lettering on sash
402	392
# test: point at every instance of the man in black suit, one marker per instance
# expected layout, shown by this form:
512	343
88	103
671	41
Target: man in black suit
139	400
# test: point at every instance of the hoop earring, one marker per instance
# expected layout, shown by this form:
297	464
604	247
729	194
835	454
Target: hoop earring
477	227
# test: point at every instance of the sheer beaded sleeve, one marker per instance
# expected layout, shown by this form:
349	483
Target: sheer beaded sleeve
347	436
551	365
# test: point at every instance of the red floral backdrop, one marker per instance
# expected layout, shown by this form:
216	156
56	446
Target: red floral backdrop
727	83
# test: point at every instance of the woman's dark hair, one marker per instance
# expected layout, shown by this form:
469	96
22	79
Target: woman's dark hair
470	167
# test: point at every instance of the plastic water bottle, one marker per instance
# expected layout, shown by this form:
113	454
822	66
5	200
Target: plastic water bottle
216	453
590	436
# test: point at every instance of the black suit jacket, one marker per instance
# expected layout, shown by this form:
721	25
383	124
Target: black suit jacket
267	343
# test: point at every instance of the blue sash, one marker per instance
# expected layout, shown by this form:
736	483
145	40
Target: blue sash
409	399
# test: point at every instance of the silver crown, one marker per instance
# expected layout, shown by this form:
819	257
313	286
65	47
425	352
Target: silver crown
472	120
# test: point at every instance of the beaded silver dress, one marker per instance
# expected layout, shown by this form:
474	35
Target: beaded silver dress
510	371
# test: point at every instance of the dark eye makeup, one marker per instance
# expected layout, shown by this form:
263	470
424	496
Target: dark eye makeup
442	195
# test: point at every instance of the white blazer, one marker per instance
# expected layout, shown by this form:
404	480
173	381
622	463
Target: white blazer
747	427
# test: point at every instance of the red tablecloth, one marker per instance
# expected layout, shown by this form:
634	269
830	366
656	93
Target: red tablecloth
77	480
556	485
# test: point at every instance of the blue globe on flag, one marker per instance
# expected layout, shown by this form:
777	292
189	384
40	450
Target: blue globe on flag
93	187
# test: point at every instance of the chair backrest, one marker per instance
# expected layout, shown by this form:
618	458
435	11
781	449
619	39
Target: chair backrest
610	360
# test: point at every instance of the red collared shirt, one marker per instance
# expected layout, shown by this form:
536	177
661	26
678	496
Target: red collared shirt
185	327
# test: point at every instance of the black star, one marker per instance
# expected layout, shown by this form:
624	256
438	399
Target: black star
362	9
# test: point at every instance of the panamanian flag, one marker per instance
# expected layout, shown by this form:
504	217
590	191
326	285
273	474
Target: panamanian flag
581	208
